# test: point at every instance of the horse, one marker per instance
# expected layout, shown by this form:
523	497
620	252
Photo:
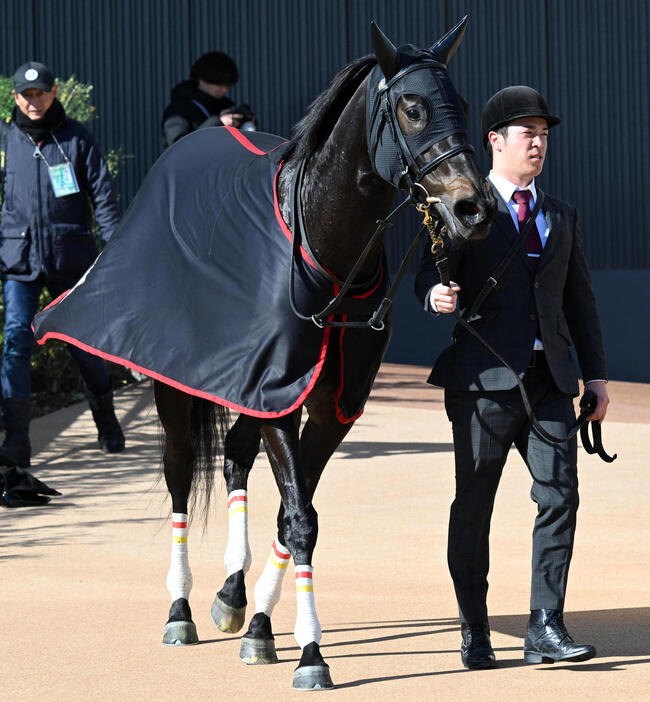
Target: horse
389	121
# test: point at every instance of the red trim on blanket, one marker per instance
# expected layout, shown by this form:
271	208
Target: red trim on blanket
244	141
194	391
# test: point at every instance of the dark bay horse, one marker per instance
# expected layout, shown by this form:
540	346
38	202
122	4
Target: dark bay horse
388	121
341	198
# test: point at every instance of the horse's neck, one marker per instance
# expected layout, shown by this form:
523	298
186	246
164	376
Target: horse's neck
342	198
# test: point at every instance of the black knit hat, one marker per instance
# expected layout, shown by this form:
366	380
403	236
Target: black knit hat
215	67
33	75
512	103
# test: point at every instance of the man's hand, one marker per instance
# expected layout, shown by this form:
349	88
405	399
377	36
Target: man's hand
231	119
599	387
443	299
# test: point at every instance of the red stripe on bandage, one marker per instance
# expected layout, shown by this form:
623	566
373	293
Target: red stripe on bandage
237	498
303	574
179	525
279	554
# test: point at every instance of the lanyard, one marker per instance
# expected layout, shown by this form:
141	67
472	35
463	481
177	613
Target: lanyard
39	154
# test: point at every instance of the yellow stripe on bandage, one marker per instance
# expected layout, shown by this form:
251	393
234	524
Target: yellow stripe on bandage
234	510
277	563
180	539
304	588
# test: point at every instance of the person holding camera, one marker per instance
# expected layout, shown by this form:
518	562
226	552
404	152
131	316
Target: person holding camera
202	101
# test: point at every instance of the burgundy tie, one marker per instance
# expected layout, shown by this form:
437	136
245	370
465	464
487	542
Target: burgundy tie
533	242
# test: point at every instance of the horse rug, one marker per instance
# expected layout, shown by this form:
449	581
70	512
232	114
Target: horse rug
193	288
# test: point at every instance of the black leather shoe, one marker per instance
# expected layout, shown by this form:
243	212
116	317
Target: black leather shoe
548	640
476	650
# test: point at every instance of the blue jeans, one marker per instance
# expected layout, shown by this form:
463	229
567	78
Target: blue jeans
21	304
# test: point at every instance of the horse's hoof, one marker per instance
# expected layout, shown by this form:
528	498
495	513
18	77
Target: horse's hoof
228	619
257	651
180	634
312	677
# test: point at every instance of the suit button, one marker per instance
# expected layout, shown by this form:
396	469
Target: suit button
537	283
532	317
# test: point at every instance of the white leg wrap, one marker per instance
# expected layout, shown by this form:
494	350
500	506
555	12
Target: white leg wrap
238	552
307	625
179	577
269	585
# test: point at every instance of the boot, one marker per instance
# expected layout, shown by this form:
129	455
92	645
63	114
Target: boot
16	449
476	650
109	433
548	641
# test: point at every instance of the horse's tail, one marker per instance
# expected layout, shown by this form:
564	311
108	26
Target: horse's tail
209	425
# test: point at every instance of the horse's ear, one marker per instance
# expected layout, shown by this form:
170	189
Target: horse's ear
446	46
385	52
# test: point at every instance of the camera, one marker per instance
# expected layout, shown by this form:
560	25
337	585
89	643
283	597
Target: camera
248	117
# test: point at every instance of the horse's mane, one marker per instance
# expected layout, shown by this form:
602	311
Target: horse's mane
314	128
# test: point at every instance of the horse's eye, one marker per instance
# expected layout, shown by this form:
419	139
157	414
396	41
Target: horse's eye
413	113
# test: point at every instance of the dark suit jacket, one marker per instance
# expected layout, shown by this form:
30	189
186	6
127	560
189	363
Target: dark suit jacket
560	294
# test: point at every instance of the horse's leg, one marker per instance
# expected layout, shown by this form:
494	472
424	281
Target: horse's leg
174	409
299	531
241	447
258	643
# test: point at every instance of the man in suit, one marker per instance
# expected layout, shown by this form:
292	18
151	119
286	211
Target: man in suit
543	303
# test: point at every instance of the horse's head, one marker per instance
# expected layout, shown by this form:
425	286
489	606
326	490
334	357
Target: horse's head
417	136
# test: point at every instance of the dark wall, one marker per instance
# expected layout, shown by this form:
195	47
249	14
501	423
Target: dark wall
589	57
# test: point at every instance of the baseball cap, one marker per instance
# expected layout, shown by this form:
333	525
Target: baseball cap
33	75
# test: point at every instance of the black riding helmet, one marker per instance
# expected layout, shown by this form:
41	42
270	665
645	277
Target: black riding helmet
511	103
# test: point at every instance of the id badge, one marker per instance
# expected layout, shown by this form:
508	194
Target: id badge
63	179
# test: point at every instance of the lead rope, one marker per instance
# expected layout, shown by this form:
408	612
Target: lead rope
588	400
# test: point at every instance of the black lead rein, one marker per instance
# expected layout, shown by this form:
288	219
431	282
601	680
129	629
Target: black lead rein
320	319
589	399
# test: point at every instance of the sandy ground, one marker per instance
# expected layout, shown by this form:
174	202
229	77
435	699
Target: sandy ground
82	580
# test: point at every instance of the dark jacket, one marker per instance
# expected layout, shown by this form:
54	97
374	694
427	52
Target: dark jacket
560	294
191	108
44	235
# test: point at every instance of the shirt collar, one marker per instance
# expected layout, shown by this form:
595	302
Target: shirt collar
505	188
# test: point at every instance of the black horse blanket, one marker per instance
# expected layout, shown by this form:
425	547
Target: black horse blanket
193	288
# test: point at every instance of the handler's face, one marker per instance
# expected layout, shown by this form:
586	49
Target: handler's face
33	102
519	156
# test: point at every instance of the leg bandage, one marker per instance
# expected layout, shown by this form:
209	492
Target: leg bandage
269	585
238	552
179	577
307	625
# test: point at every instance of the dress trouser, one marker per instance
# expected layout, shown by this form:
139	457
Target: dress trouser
485	425
21	304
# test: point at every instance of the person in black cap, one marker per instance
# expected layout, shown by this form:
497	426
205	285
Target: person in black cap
541	304
54	176
202	101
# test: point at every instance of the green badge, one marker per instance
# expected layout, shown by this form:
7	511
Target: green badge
63	179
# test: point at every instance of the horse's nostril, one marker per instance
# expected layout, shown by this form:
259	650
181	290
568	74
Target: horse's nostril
468	212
